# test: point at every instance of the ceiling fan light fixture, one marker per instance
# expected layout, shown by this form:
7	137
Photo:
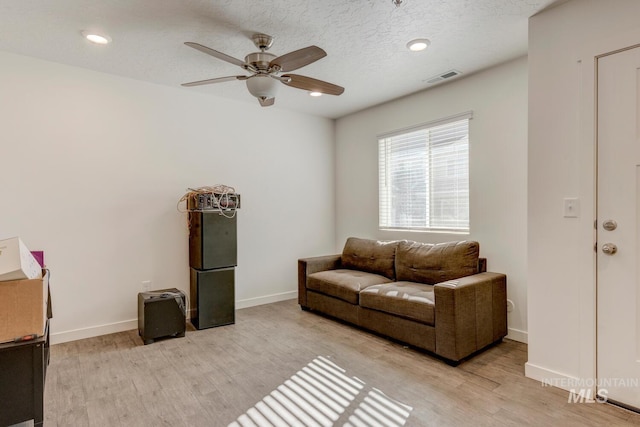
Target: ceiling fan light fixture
96	38
262	86
416	45
315	93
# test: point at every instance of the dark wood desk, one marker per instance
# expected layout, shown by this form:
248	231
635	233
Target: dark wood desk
23	368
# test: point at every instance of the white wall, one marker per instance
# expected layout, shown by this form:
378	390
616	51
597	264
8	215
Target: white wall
498	167
563	42
92	166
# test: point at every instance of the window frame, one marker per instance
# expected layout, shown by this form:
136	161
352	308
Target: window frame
383	171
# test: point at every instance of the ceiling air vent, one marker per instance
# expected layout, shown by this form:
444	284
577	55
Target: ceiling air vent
444	76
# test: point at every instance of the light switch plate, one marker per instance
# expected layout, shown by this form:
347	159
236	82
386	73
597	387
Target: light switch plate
571	207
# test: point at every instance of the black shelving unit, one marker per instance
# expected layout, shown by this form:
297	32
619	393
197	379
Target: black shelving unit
23	369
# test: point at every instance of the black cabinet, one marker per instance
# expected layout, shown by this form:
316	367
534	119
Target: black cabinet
212	240
213	297
23	369
213	254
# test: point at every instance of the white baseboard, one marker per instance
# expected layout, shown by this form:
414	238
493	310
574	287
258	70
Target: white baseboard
548	377
127	325
268	299
518	335
93	331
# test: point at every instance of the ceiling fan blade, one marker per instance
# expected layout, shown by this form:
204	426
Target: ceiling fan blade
216	54
266	102
312	85
298	58
218	80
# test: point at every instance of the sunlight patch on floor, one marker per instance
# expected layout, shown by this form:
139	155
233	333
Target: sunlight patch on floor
322	395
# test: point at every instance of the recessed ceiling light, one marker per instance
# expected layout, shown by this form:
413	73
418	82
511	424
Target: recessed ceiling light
315	93
96	38
418	44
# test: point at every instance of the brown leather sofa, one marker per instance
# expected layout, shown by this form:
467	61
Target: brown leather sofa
437	297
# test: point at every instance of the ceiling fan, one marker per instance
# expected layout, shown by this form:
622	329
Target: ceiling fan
266	70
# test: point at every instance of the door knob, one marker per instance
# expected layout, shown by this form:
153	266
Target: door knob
609	225
609	249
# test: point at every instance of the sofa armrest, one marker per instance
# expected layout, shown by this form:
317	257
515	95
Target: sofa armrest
470	313
307	266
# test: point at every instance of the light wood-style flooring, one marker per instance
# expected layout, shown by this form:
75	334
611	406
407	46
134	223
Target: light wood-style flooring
277	354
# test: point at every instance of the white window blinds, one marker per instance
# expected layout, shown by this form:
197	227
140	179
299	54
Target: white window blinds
424	176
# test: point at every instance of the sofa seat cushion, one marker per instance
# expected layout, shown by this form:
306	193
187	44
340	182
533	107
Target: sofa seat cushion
343	283
411	300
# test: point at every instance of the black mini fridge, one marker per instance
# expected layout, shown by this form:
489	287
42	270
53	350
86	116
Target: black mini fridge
212	257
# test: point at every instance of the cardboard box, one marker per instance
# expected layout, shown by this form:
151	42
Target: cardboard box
23	307
17	262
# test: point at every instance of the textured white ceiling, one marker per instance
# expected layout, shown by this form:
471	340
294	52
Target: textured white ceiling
365	41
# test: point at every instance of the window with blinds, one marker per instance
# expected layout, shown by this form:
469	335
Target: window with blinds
424	176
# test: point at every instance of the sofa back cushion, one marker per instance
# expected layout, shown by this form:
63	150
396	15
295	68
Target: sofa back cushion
372	256
434	263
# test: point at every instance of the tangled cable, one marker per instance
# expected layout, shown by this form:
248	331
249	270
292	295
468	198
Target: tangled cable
225	198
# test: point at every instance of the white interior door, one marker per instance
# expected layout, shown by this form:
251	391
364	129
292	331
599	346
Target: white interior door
618	230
